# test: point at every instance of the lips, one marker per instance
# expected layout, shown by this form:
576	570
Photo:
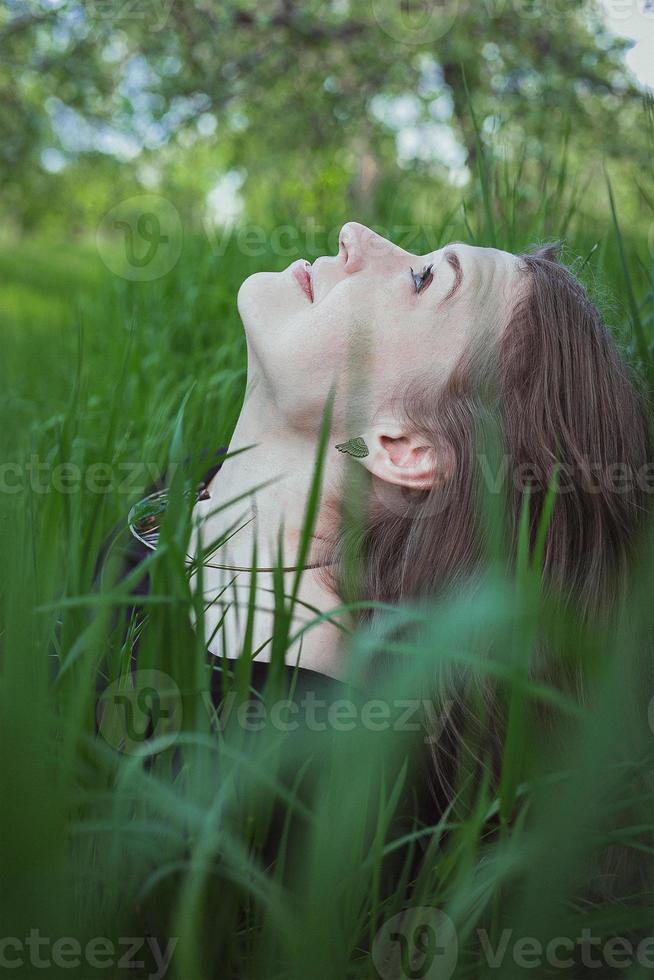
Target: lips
302	273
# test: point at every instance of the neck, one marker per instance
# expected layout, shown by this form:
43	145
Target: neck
271	482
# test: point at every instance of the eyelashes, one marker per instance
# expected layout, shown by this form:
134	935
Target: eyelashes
422	279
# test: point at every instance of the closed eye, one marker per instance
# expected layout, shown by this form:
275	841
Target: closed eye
422	280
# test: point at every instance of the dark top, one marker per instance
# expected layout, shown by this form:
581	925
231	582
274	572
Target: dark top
299	685
135	552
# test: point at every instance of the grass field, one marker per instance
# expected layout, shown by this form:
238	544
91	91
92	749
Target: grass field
270	853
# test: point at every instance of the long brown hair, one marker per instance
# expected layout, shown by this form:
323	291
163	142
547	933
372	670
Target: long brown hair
561	398
558	396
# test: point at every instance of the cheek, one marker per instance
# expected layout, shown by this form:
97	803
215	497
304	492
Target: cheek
300	373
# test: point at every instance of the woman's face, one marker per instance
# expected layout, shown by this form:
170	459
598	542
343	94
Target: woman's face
358	321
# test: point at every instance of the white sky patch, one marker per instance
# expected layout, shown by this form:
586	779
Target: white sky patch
77	135
428	142
224	201
634	19
52	160
427	138
149	175
207	124
396	111
123	146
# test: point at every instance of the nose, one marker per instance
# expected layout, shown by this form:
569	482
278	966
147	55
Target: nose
360	246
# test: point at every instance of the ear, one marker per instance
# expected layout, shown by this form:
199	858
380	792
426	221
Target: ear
404	458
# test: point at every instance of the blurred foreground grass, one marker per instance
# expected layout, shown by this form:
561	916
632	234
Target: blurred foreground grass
276	852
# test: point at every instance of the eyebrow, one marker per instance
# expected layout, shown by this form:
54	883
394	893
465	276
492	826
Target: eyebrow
454	261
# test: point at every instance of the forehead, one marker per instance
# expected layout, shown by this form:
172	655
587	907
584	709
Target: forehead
490	274
483	257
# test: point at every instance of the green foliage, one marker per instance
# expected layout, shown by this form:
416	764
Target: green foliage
274	852
280	852
301	98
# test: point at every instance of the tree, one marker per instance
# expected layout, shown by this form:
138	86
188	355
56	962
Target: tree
305	95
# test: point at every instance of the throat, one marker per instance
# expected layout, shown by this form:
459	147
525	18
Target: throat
259	499
257	508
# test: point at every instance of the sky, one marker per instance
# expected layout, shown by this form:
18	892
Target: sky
634	19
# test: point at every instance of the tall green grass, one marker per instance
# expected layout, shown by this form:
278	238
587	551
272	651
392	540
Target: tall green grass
275	853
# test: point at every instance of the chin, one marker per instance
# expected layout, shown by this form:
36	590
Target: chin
269	302
254	295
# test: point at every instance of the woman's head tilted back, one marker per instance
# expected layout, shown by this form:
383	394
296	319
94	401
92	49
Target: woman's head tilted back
428	355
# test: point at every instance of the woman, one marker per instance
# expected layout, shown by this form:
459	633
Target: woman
423	355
